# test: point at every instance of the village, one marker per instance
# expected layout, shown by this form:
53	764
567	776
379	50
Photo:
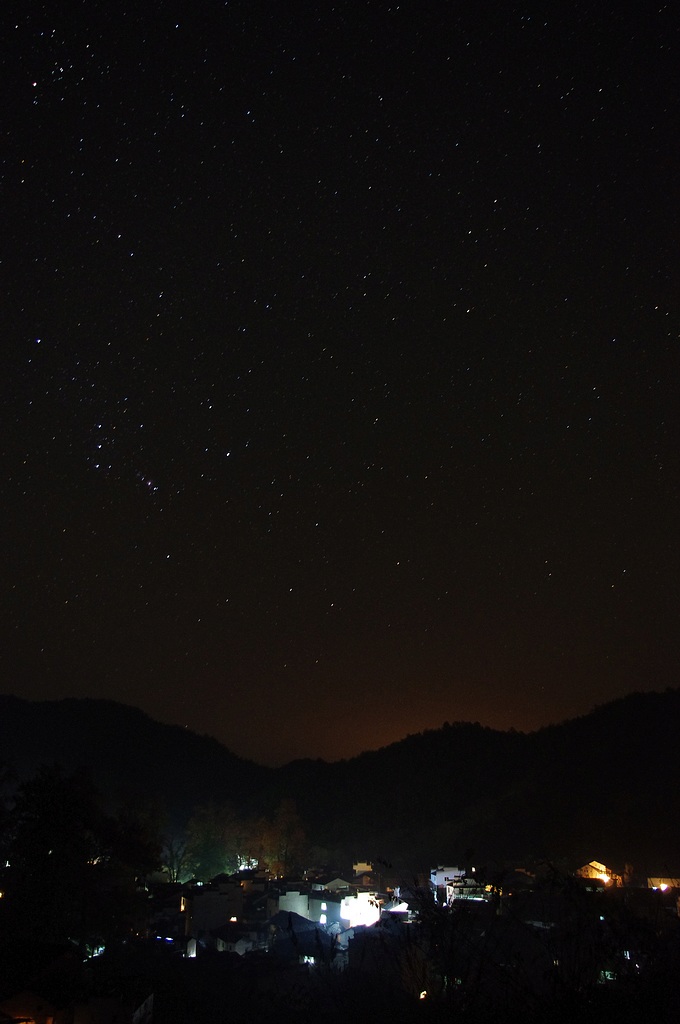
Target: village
249	945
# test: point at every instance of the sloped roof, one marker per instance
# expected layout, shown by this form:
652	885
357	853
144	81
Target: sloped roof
289	921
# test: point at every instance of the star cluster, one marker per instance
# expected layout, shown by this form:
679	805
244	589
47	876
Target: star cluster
340	362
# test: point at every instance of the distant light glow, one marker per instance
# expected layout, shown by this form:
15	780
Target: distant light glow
362	909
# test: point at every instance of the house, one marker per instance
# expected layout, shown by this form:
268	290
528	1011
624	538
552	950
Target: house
334	885
594	869
362	867
232	938
317	905
440	876
294	900
325	907
465	889
253	881
211	907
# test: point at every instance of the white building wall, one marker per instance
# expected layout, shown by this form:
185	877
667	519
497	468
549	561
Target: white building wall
441	875
295	902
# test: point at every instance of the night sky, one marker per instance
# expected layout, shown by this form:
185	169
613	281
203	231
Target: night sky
340	378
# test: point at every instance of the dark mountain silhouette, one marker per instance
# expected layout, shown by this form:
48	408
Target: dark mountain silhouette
131	757
604	785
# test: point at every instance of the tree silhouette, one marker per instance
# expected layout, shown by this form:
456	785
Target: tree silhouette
71	869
